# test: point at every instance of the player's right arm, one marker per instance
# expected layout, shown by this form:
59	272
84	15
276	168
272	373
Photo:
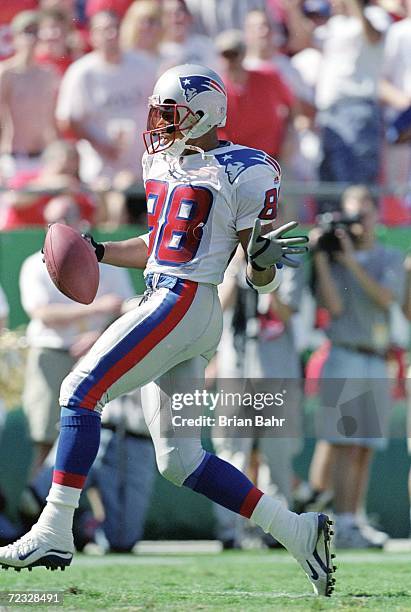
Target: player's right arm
131	253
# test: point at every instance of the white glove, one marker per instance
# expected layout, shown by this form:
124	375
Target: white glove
271	249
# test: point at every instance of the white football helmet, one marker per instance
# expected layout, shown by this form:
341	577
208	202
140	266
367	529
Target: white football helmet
187	102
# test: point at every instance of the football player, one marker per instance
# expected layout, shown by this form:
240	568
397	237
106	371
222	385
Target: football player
204	197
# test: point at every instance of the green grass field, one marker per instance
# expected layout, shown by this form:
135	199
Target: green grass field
247	580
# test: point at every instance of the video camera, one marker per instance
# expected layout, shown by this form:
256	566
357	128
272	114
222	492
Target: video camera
329	222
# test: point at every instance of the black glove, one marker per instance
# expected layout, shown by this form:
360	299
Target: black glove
98	247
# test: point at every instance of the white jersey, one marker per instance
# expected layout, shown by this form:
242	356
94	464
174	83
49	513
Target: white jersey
196	207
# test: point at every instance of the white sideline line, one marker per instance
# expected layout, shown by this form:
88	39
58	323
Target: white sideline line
170	553
398	545
115	560
178	546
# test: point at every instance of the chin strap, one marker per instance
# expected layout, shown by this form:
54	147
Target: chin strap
199	150
178	147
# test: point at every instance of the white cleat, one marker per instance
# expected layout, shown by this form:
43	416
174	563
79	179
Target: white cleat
314	556
35	550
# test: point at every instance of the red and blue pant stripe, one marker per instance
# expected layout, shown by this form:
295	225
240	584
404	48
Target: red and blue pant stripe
80	428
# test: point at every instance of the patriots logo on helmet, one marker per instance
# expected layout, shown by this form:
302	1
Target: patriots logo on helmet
194	85
235	162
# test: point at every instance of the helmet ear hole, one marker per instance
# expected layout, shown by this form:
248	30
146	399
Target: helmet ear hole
200	114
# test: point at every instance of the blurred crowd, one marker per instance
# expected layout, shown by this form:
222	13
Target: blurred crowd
322	85
325	87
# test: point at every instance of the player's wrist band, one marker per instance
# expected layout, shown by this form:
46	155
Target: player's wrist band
271	286
256	266
99	249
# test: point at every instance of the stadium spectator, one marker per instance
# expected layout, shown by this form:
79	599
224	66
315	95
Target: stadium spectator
259	104
60	330
264	52
266	43
125	492
296	22
141	30
69	7
210	17
8	10
103	101
119	7
357	280
179	45
352	44
79	35
396	80
53	46
27	100
395	92
59	172
7	530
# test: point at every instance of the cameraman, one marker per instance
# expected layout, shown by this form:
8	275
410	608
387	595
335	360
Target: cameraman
357	282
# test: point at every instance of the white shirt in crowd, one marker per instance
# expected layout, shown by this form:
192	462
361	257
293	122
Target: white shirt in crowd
397	55
214	16
196	49
397	70
351	66
36	290
112	100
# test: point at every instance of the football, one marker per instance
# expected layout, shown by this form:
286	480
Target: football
71	263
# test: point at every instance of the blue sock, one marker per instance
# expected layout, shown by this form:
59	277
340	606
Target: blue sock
77	446
224	484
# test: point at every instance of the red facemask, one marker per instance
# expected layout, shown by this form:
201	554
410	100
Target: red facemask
165	124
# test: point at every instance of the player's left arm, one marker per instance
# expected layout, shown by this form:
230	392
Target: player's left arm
266	249
259	278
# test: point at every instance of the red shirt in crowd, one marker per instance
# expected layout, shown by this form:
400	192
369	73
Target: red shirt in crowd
60	63
33	215
258	112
